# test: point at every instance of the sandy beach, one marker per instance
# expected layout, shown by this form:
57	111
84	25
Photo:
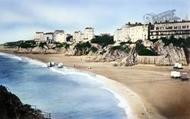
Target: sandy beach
148	89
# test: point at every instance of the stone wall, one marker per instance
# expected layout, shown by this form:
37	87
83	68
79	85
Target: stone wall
149	59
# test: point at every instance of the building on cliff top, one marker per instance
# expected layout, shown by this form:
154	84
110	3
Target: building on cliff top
178	29
60	36
131	32
138	31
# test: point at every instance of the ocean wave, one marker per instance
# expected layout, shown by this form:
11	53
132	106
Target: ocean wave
34	62
24	59
71	71
11	56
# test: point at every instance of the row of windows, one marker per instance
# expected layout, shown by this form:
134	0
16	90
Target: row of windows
169	33
173	27
177	36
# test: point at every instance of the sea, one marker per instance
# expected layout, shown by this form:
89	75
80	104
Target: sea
64	93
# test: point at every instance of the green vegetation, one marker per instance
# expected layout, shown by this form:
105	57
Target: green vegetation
42	44
143	51
103	40
93	49
180	42
84	45
123	43
21	44
83	48
62	45
123	48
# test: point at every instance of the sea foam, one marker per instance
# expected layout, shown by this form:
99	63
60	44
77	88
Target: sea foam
11	56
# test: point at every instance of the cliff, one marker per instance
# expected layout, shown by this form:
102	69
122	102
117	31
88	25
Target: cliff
159	52
167	55
12	108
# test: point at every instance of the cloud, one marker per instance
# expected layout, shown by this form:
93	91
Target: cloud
20	16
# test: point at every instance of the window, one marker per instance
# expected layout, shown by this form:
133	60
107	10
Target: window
169	27
184	27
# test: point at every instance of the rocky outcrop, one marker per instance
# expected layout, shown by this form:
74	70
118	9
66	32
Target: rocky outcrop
113	55
12	108
170	54
167	55
131	58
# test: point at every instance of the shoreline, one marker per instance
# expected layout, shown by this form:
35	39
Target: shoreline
162	97
127	101
108	85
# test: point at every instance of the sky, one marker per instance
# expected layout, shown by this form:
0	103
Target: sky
20	19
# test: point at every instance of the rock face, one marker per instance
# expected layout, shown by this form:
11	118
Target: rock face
167	55
131	58
113	55
170	54
12	108
187	53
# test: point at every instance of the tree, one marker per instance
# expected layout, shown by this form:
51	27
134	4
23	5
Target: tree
103	40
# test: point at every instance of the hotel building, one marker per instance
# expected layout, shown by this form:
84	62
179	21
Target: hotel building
138	31
39	37
60	36
178	29
131	32
49	37
77	36
88	35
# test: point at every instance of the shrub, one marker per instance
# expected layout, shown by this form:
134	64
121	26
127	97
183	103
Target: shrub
84	48
128	42
103	40
62	45
42	44
179	42
143	51
93	49
123	48
21	44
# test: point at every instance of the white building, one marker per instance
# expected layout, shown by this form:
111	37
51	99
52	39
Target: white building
131	32
77	36
60	36
49	37
178	29
88	34
39	37
118	35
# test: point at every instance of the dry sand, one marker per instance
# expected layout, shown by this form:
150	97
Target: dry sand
157	93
